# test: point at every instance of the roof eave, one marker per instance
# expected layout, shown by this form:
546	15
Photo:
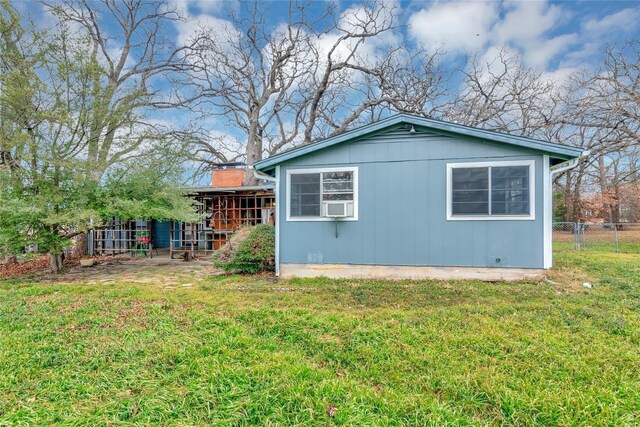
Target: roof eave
209	189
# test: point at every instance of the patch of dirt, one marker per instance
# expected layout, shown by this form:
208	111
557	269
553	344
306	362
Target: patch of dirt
75	305
163	273
567	280
79	328
37	266
24	267
111	270
327	338
134	312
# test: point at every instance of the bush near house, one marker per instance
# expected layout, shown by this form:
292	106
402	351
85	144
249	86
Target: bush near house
251	250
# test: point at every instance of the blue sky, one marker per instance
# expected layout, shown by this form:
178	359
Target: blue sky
552	36
557	38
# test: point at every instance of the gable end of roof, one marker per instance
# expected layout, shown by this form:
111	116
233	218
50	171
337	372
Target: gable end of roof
557	151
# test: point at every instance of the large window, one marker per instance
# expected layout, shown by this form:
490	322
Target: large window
496	190
310	190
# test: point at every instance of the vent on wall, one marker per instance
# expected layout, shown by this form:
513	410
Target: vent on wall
496	261
315	258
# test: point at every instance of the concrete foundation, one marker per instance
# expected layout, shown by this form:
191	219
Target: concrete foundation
399	272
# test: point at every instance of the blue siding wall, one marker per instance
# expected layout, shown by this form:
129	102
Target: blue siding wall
402	208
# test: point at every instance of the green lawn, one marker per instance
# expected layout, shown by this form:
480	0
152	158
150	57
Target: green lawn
254	351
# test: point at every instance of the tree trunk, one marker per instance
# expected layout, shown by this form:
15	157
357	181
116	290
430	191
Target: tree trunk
55	261
569	214
576	198
253	151
615	203
10	259
604	191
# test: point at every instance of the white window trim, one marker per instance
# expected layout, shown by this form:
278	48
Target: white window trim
290	172
532	191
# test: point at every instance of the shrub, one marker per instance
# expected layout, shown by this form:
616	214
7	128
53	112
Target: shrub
250	250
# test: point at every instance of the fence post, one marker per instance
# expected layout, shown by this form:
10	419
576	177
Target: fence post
90	237
615	233
577	234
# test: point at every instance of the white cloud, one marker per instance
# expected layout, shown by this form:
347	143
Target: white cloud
561	75
626	20
195	24
353	20
473	26
596	32
357	19
187	7
526	22
460	26
208	6
526	26
199	15
540	54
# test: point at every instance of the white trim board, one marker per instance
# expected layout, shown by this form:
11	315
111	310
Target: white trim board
496	163
290	172
547	213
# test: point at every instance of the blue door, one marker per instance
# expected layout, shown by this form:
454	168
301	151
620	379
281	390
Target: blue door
161	231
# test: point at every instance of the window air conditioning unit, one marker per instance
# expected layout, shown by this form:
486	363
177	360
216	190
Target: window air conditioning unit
338	209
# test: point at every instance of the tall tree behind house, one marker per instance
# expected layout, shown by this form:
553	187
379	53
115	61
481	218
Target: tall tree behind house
286	84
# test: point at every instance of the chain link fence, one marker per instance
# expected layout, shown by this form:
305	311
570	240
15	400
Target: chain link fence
605	237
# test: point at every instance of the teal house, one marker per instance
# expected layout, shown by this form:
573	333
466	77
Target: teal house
410	197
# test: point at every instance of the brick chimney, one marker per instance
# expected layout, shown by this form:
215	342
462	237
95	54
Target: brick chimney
223	178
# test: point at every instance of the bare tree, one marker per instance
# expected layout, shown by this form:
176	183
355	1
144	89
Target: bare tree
245	74
611	95
278	87
405	80
604	104
111	79
413	81
501	94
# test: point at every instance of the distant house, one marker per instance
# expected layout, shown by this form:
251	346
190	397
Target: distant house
409	197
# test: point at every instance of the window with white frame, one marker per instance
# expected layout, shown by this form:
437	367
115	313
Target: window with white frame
312	191
490	190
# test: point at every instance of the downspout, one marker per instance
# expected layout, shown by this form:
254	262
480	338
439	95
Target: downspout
276	192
